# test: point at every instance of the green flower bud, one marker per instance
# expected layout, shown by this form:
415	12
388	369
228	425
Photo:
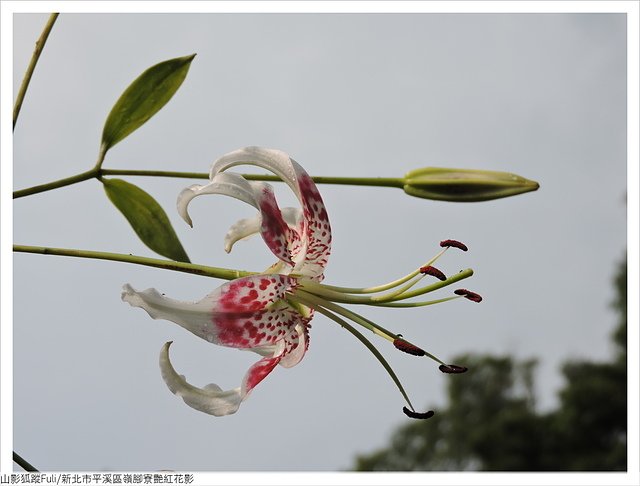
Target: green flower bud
465	185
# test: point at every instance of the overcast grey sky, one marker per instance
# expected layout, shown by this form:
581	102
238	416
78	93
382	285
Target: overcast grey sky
541	95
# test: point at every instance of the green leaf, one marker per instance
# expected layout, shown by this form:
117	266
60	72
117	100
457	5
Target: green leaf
147	218
144	98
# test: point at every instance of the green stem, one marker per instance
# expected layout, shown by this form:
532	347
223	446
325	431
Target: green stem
155	173
352	181
98	172
223	273
67	181
101	154
22	463
32	66
345	181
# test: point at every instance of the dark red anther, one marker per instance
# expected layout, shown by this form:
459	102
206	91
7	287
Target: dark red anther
467	294
433	271
453	369
455	244
418	415
408	348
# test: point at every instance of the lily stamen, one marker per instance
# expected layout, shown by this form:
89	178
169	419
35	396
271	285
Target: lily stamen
424	303
454	244
453	369
399	342
371	348
388	285
418	415
435	286
467	294
346	298
397	293
314	302
433	271
407	347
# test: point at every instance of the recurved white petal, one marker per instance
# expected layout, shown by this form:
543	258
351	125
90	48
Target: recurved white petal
273	160
193	316
222	316
211	399
243	229
314	234
228	184
246	228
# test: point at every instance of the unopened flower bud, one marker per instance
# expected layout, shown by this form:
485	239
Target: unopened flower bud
465	185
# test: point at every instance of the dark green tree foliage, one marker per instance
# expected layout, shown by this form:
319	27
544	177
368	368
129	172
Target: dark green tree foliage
592	419
491	423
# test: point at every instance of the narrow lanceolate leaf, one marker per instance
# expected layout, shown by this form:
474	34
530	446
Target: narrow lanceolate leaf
144	98
147	218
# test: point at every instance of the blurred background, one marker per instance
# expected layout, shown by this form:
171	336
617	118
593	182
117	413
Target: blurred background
540	95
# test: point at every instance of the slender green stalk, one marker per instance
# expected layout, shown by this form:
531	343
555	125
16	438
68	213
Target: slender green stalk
223	273
345	181
155	173
22	463
97	172
67	181
407	305
352	181
101	154
32	66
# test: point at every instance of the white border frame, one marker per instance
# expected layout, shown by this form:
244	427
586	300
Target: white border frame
631	8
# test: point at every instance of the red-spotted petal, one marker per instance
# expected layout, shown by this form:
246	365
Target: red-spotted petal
279	236
293	350
257	373
315	230
212	399
231	315
275	231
